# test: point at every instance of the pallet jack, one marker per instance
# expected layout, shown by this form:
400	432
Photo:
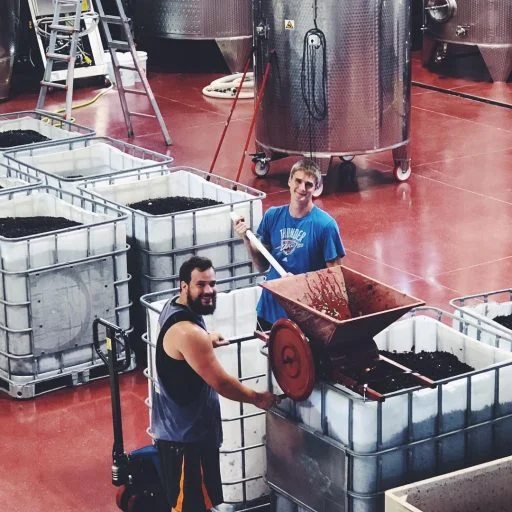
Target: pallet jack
137	474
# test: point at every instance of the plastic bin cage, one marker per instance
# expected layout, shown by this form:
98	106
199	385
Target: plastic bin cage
68	163
12	181
482	308
242	453
363	448
482	487
52	286
239	321
50	126
164	242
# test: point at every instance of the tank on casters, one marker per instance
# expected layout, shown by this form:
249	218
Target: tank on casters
338	82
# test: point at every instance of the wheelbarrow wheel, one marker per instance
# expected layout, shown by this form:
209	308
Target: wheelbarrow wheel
260	168
402	170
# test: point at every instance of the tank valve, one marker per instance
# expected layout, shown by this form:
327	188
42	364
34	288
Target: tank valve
262	30
441	11
461	31
314	41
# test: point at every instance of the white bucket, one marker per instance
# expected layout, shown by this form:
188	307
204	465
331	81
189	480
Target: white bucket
128	76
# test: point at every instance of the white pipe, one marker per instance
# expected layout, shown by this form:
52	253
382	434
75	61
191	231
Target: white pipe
258	245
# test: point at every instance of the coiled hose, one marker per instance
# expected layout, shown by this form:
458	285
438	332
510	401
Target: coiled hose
225	87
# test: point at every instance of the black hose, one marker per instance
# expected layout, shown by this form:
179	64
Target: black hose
314	94
462	95
313	77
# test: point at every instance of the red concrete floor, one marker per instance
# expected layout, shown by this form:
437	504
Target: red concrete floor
444	233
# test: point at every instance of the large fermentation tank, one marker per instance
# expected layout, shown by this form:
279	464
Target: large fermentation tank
228	22
356	81
488	25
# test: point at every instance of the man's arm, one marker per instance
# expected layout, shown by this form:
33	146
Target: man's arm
332	244
333	263
260	262
335	240
195	346
217	339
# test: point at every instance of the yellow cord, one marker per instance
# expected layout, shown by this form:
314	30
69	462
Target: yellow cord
87	103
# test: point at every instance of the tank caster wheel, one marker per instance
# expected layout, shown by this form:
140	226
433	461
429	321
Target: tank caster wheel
347	158
260	168
319	188
402	170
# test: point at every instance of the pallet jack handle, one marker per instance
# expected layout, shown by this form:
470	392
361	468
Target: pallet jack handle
113	335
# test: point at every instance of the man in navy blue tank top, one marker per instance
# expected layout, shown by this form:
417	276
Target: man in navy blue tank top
185	413
301	237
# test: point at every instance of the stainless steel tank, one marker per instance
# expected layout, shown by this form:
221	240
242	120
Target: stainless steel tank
356	81
228	22
486	24
9	21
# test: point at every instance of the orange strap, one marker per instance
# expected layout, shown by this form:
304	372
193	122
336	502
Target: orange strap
179	503
206	498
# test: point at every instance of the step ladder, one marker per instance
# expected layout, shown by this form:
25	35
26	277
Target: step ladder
59	30
128	45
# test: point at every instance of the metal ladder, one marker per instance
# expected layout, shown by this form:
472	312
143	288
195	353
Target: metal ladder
129	45
58	29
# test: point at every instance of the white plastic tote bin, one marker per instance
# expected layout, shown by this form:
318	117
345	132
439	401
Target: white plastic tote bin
243	452
161	243
68	164
475	489
10	181
365	447
53	127
483	308
52	286
164	242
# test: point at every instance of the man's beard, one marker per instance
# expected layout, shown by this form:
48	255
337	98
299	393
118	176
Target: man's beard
202	309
